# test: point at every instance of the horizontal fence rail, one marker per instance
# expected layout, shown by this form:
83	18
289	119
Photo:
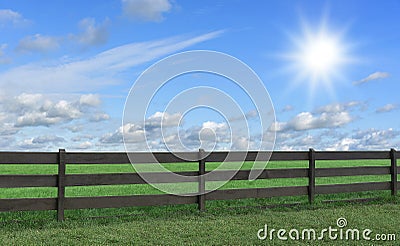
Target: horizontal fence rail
61	180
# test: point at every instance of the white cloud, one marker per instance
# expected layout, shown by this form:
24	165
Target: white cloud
63	109
387	108
95	72
214	126
344	144
159	119
81	138
133	134
170	137
334	140
90	100
38	43
85	145
36	119
374	139
214	132
47	139
7	129
99	117
277	126
48	113
340	107
25	102
308	121
28	144
8	16
240	143
146	10
41	142
92	33
75	128
373	76
39	110
328	116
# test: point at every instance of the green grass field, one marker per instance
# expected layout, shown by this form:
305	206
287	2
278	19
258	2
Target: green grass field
234	222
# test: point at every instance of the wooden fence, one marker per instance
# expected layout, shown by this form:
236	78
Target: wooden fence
62	180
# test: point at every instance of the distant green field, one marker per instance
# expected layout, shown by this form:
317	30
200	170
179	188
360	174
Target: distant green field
110	190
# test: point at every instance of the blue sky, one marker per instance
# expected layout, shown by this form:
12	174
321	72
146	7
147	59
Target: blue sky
66	68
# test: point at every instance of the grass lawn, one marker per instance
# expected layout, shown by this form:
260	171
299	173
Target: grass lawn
177	225
233	222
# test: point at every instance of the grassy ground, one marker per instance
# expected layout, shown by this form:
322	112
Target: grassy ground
224	223
178	225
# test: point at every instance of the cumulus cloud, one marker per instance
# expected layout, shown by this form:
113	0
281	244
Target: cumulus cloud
90	100
75	128
163	119
170	136
37	110
81	138
36	119
99	117
373	76
146	10
387	108
84	145
7	129
344	144
40	142
38	43
371	139
211	133
335	140
49	113
277	126
25	102
91	32
308	121
133	134
328	116
47	139
240	143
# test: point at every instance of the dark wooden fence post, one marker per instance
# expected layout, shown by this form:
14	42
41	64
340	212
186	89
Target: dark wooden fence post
311	176
61	184
393	171
202	184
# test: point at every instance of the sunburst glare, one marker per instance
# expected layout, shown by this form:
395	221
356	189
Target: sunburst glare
318	57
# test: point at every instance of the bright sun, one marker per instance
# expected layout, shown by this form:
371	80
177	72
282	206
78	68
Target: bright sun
318	58
320	55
